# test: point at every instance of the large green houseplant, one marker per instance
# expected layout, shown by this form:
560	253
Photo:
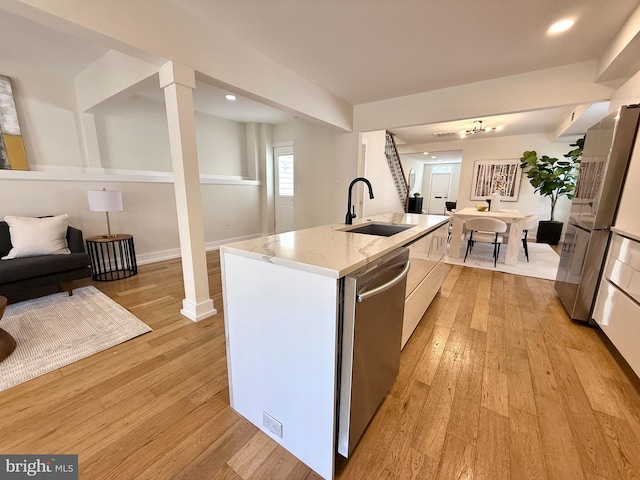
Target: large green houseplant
553	178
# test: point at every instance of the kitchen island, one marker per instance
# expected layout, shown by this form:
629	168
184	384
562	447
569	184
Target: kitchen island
282	304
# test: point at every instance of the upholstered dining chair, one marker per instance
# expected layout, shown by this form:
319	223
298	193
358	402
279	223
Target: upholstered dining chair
448	213
485	230
450	206
530	221
450	228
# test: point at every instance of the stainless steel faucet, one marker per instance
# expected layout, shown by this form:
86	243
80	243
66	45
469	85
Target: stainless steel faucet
351	210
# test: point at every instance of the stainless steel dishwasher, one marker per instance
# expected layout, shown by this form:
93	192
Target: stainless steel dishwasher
372	311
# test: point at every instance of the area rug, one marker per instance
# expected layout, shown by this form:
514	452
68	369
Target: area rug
59	329
543	261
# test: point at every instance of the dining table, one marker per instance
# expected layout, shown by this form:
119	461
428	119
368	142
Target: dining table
513	218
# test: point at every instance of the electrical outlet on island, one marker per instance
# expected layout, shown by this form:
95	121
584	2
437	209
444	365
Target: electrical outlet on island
273	425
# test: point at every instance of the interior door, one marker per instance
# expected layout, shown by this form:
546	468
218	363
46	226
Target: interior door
283	168
438	192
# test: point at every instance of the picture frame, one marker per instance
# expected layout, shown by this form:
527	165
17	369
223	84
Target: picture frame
496	175
12	152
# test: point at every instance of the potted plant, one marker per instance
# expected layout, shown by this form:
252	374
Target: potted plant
552	178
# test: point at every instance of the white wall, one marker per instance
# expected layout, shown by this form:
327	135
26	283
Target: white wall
45	106
133	135
221	145
283	133
149	211
230	212
627	94
325	164
378	173
407	164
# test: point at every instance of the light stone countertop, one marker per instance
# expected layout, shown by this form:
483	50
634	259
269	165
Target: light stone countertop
326	250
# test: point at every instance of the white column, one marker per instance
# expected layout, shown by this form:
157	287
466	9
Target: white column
178	83
266	177
252	140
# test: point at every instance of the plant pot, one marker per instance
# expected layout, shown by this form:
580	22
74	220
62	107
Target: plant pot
549	231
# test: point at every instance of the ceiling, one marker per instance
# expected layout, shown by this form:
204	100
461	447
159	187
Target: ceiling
48	51
428	143
416	45
443	156
544	121
411	45
44	49
211	100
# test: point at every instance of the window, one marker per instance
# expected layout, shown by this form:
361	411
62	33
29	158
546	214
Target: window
285	175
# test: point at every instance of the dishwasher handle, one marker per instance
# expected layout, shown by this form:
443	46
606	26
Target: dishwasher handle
361	297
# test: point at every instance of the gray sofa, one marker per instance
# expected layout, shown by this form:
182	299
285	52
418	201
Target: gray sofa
29	277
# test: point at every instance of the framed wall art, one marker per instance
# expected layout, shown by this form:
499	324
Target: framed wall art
491	176
12	153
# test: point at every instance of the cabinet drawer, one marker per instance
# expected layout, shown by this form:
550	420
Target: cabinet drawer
619	317
625	277
424	254
623	265
626	250
419	300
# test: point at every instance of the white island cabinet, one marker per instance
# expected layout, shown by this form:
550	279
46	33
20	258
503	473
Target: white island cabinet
425	277
282	323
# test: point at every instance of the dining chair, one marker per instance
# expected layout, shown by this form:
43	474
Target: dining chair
530	221
485	230
450	206
450	229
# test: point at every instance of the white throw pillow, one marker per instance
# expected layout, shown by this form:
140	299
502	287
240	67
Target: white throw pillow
37	236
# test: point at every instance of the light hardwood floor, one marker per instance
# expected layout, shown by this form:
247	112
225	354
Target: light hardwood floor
496	383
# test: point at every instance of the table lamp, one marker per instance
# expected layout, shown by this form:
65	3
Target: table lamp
105	201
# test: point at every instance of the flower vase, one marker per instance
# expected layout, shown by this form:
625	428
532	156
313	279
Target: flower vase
495	202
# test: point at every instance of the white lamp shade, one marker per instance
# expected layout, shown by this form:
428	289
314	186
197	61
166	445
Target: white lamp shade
105	200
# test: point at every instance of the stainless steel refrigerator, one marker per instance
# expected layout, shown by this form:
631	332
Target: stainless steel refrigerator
605	159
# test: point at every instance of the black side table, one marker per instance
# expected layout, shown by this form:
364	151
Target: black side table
112	258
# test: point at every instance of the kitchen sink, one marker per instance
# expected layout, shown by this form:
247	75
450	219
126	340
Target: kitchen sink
379	229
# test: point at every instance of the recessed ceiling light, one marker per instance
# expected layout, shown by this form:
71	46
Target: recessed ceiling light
230	97
425	153
499	127
433	156
561	26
